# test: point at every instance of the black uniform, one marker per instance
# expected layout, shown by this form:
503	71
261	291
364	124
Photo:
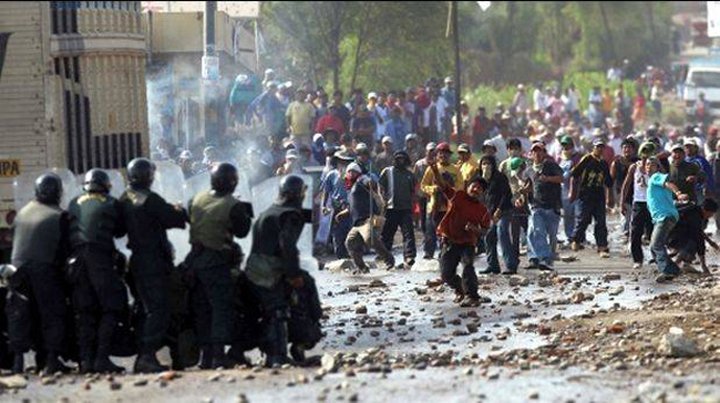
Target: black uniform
214	220
40	247
147	217
274	258
99	295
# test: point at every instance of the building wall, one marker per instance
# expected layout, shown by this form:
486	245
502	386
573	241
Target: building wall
24	124
98	83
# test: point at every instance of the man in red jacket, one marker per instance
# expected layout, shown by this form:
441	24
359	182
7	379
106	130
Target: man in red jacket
459	231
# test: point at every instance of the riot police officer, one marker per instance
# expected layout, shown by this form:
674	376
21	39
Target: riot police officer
215	218
274	263
40	246
99	294
148	217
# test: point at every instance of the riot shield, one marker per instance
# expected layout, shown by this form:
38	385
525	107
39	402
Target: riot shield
24	187
265	193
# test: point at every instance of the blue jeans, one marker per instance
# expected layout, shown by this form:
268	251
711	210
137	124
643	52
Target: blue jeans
542	235
658	242
568	217
340	231
500	230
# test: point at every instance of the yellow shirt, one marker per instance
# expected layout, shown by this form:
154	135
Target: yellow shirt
468	169
430	188
300	116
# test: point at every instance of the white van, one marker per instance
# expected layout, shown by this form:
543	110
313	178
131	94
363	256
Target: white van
703	79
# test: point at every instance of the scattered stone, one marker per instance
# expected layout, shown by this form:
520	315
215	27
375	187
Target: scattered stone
48	380
242	398
13	382
676	344
115	385
377	284
140	382
521	281
616	291
534	395
544	330
616	328
168	376
353	398
215	377
612	277
468	371
328	363
360	309
340	265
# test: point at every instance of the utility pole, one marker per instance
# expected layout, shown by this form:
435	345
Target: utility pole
456	40
210	76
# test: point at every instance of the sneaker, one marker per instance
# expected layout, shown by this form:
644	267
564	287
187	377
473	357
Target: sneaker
490	271
459	297
470	302
364	270
637	266
428	256
576	246
604	253
664	278
545	267
509	272
532	265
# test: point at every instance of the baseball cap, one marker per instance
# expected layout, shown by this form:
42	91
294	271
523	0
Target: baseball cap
430	146
317	136
361	148
410	136
516	163
291	154
690	142
538	144
567	140
444	147
387	139
488	143
463	148
647	147
353	167
372	95
598	142
401	153
677	146
448	79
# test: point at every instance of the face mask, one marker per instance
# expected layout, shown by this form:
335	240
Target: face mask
486	173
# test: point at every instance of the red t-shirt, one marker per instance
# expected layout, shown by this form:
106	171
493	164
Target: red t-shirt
463	210
330	122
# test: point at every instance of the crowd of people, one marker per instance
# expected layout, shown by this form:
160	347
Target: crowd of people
389	161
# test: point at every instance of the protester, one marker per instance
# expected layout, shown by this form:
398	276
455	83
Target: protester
591	186
459	230
664	215
499	204
397	186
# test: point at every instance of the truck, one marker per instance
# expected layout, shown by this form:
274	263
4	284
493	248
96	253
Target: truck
72	92
703	76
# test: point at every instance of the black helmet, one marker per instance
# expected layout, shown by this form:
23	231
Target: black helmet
224	178
292	188
48	189
97	181
141	173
